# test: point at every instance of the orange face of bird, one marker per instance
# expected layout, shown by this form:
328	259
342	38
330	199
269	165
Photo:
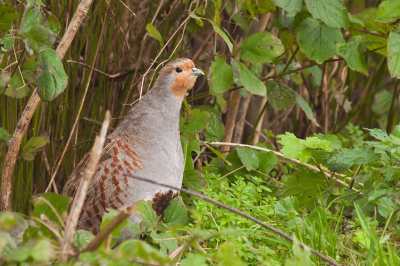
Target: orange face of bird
185	74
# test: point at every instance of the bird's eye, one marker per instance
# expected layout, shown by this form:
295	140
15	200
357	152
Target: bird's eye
178	69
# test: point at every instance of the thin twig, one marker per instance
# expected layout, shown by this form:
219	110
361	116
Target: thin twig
23	122
220	204
80	196
111	76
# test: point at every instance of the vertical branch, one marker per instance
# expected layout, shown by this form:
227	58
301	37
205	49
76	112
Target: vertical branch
22	126
79	199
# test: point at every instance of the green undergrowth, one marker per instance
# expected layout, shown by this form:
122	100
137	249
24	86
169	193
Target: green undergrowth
349	226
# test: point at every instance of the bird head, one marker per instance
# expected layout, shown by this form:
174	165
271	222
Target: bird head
179	75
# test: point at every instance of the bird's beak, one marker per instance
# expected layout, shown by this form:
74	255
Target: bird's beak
196	72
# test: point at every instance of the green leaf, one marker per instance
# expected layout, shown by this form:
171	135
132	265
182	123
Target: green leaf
267	160
306	108
382	102
388	11
194	259
386	206
346	158
81	239
59	202
54	24
6	44
167	245
353	53
32	145
251	82
154	33
51	79
223	35
193	180
37	36
16	89
29	70
355	20
176	213
332	12
291	6
134	249
215	129
262	47
228	256
279	95
4	135
394	54
249	157
7	15
146	212
294	148
221	75
317	143
287	207
196	123
305	186
379	134
38	251
317	40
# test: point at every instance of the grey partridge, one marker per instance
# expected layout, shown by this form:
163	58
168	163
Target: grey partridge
146	144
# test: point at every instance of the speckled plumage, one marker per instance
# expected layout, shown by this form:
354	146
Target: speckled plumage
145	144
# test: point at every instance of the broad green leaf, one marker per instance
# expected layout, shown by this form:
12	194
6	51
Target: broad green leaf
379	134
249	157
54	24
51	79
215	129
287	207
176	213
388	11
228	256
317	143
29	70
37	36
251	82
82	238
262	47
355	20
193	180
353	53
305	185
382	102
267	159
154	33
386	206
39	250
294	148
148	215
223	35
16	88
194	259
134	249
236	72
221	75
196	123
291	6
394	54
332	12
32	145
166	241
317	40
4	135
346	158
6	44
59	202
336	143
7	15
306	108
279	95
7	243
265	6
